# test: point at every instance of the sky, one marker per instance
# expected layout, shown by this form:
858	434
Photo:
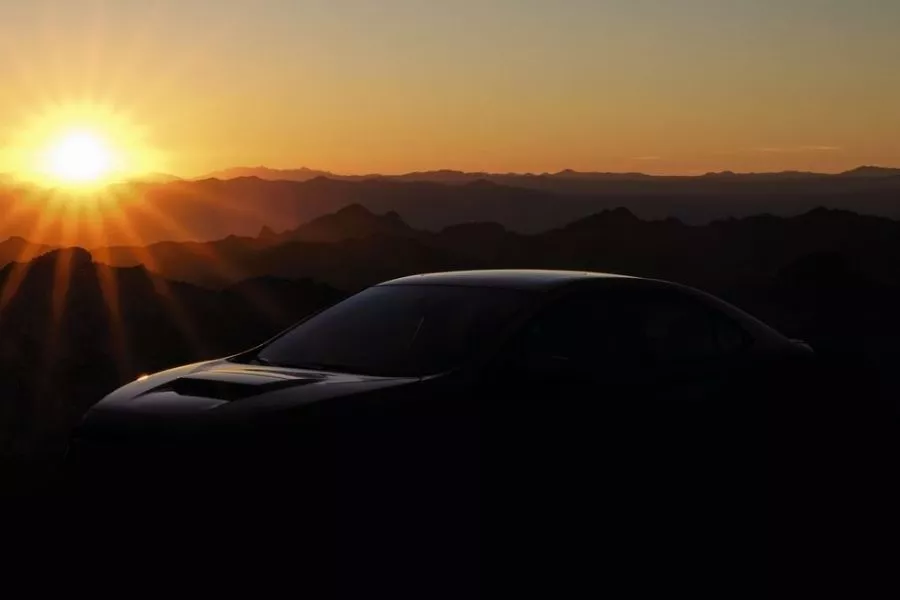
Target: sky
356	86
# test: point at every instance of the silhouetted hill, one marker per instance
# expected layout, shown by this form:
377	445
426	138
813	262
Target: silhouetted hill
266	234
300	174
870	171
779	176
17	249
155	178
353	221
354	263
328	248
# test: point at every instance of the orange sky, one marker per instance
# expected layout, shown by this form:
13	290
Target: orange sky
191	86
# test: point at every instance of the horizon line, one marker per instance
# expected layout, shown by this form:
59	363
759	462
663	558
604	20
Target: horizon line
222	174
326	172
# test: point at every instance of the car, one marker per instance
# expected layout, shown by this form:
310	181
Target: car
430	345
433	394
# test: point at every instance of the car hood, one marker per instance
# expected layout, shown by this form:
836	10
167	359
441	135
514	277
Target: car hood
224	390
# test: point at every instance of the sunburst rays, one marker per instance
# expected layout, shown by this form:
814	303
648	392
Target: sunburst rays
162	288
94	222
98	90
224	268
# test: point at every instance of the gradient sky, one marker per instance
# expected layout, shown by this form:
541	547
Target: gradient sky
502	85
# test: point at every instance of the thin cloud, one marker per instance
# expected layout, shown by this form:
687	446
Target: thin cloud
797	149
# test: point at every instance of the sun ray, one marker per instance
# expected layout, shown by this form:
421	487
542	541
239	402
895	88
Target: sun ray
220	265
63	269
21	200
59	292
163	290
109	288
22	265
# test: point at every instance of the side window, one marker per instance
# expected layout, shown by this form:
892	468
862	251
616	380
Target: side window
588	328
603	331
679	329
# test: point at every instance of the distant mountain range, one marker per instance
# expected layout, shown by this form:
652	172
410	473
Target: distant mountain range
547	180
355	247
140	213
538	180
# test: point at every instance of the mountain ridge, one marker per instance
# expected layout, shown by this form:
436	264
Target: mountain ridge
144	213
460	176
355	247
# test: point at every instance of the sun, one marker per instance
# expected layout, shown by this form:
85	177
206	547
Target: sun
80	147
79	157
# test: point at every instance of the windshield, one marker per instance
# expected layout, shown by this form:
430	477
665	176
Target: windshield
398	330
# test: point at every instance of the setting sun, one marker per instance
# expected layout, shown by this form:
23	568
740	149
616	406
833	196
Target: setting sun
79	157
80	146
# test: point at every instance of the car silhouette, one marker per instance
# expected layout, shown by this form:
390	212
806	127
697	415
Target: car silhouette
443	389
428	345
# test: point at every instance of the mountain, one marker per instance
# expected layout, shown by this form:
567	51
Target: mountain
591	175
17	249
155	178
235	258
300	174
870	172
778	176
353	221
266	234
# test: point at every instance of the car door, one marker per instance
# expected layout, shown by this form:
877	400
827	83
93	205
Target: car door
705	424
555	392
599	405
626	348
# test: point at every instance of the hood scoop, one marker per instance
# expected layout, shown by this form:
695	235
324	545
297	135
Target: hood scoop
236	384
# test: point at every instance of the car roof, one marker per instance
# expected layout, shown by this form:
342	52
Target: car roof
504	278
